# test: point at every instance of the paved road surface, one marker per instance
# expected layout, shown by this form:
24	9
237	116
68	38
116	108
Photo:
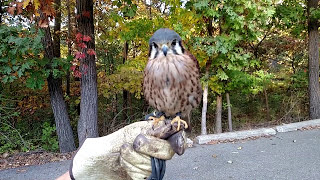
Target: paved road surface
291	155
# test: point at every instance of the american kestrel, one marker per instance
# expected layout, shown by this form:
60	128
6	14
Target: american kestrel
171	78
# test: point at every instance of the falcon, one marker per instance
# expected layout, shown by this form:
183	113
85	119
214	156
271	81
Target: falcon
171	78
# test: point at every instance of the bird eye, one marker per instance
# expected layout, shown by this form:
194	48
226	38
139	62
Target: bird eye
155	45
174	42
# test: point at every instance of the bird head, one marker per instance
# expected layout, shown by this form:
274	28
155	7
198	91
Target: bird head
165	42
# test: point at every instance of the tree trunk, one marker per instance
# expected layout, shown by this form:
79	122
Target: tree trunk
56	29
150	10
1	11
88	122
68	82
313	44
267	104
125	93
113	112
205	91
63	127
204	110
64	130
69	48
218	128
134	50
229	112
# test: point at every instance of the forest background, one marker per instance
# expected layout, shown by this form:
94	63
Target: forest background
73	69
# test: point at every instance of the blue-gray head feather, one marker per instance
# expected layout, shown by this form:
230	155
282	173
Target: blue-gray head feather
164	35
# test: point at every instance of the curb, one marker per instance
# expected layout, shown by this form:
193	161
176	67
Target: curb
298	125
204	139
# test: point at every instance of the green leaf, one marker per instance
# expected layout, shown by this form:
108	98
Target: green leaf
6	69
201	4
35	81
222	75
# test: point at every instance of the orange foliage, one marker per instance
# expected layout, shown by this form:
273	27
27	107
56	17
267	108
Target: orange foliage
34	8
33	100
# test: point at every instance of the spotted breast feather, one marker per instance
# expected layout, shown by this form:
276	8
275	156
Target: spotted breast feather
172	85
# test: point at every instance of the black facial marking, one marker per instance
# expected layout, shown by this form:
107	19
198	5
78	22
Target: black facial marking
174	45
155	45
156	54
174	42
182	49
150	49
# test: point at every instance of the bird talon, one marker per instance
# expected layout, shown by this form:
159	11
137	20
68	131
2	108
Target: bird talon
156	120
179	121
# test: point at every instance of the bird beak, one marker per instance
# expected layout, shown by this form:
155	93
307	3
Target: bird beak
165	49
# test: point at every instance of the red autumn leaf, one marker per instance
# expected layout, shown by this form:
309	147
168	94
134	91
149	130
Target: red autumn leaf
86	38
80	55
82	45
77	74
86	14
73	68
78	37
91	52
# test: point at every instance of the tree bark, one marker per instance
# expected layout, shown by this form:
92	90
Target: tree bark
313	44
1	11
56	29
69	48
218	128
204	110
267	104
205	91
150	10
88	122
125	93
229	112
63	127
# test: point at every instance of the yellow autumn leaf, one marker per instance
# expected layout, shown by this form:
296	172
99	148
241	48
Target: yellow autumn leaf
36	4
25	3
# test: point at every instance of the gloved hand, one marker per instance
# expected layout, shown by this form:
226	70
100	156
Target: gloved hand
125	154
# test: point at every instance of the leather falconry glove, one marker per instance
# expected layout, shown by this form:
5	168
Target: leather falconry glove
126	154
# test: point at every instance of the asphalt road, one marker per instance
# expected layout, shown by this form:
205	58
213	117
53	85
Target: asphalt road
291	155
